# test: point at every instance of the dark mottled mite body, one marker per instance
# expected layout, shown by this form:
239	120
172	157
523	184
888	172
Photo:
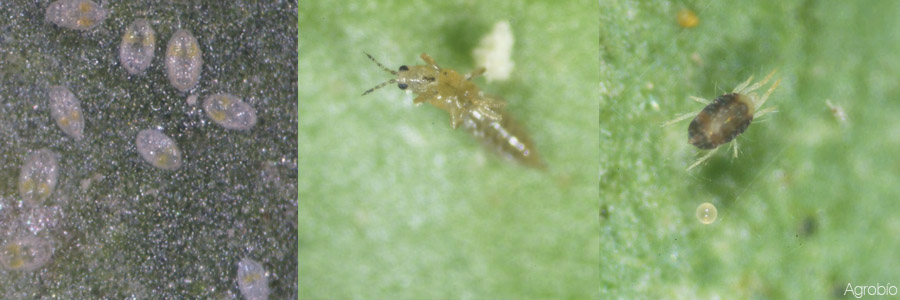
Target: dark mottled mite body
725	118
482	115
721	121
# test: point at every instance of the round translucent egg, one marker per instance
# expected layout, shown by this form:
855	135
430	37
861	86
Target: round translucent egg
706	213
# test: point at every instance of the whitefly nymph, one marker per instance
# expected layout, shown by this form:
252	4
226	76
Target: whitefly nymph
158	149
481	115
252	280
184	60
138	46
25	253
726	117
38	176
65	109
229	111
76	14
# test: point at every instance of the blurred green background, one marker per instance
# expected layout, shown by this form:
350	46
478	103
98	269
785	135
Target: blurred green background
135	231
811	203
397	205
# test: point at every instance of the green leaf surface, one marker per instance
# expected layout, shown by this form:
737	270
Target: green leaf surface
395	204
809	205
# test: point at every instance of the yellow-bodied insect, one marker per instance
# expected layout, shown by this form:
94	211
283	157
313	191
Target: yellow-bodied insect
726	117
482	115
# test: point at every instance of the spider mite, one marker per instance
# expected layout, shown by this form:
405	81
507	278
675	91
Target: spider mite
726	117
481	115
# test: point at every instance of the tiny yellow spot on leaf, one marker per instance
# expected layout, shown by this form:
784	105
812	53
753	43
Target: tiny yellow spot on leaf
687	18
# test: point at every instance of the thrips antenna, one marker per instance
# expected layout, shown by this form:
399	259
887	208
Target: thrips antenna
393	80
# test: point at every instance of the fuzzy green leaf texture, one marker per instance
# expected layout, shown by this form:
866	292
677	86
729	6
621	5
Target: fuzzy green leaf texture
396	204
118	227
808	207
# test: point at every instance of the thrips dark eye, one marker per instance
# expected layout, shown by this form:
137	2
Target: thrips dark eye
404	68
402	86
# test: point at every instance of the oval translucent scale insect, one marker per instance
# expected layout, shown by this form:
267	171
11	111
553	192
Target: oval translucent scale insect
158	149
706	213
483	116
229	111
38	176
66	111
725	118
138	46
183	60
26	253
252	281
76	14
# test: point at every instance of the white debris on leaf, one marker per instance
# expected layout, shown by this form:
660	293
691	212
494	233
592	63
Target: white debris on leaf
192	100
494	52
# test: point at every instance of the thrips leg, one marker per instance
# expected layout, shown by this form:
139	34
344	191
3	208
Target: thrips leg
430	61
475	73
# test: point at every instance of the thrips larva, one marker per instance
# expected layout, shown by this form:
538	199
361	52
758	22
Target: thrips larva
482	115
27	253
727	116
184	60
76	14
229	111
138	46
837	111
158	149
252	281
66	111
37	179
